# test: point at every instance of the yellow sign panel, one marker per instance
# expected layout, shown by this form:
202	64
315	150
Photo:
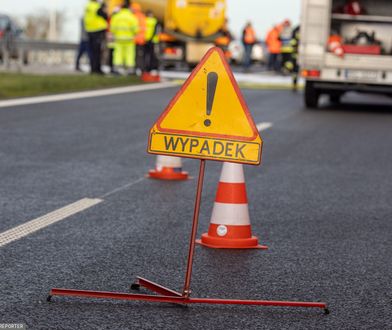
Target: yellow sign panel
208	118
205	148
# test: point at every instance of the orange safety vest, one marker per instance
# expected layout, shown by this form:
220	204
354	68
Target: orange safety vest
140	38
250	36
272	40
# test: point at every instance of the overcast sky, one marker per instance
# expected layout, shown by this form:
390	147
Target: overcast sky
263	13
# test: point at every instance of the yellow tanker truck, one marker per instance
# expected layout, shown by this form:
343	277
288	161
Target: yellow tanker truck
190	27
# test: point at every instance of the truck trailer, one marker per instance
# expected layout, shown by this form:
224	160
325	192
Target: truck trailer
345	46
190	27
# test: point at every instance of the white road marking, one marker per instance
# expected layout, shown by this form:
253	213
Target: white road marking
86	94
130	184
263	126
46	220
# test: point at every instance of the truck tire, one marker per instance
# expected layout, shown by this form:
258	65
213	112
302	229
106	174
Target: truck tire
335	98
311	95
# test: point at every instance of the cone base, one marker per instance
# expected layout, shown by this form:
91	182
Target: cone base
166	175
224	243
147	77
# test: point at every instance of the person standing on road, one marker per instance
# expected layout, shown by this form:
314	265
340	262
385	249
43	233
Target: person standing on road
292	65
248	40
110	41
83	47
95	23
274	44
140	38
152	39
223	41
124	26
286	49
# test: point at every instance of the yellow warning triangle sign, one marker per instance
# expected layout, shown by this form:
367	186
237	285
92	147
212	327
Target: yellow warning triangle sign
188	112
209	106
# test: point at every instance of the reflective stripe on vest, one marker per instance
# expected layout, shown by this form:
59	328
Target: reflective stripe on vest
151	23
92	21
124	25
287	48
250	36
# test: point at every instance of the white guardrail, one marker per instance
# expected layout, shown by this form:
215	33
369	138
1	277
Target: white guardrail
25	52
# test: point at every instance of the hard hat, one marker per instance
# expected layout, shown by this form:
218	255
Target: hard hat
136	7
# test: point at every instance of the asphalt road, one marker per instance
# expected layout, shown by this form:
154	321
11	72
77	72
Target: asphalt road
321	201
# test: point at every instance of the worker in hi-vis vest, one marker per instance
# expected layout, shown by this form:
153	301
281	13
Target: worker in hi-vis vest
248	40
152	39
124	26
95	24
110	42
140	39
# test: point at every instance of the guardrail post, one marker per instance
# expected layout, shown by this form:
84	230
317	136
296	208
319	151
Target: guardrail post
6	54
20	52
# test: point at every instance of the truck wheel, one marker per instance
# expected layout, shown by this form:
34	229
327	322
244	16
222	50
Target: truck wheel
335	98
311	95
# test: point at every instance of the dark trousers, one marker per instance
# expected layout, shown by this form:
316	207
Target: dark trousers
286	57
247	55
95	40
110	59
140	57
274	62
83	49
150	57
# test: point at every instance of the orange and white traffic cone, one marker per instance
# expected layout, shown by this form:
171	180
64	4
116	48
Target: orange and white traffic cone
168	168
230	225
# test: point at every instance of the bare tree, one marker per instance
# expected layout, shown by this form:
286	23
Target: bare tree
45	25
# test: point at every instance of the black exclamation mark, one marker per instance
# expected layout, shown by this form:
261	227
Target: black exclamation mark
212	80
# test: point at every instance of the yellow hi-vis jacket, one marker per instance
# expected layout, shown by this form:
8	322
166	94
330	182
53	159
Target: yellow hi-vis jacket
124	25
151	33
92	21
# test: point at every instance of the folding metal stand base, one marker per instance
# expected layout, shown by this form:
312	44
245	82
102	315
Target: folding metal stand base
170	296
166	295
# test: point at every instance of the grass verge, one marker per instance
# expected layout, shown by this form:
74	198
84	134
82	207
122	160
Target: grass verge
14	85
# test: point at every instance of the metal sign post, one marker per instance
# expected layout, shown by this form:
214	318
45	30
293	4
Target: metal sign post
186	292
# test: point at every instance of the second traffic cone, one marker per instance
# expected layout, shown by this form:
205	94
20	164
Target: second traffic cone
230	225
168	168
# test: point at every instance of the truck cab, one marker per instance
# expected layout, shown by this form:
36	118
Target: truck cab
345	45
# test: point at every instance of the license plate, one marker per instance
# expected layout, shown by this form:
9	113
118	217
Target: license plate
362	75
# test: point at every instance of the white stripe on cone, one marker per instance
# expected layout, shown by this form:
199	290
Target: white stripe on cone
230	214
232	173
168	161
